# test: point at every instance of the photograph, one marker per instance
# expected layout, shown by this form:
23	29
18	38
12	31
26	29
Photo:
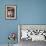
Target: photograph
10	11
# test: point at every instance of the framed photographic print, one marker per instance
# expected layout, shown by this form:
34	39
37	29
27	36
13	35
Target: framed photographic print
10	12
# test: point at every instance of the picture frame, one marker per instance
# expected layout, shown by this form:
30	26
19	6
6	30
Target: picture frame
10	12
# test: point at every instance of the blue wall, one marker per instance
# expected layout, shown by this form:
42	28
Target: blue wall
28	12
